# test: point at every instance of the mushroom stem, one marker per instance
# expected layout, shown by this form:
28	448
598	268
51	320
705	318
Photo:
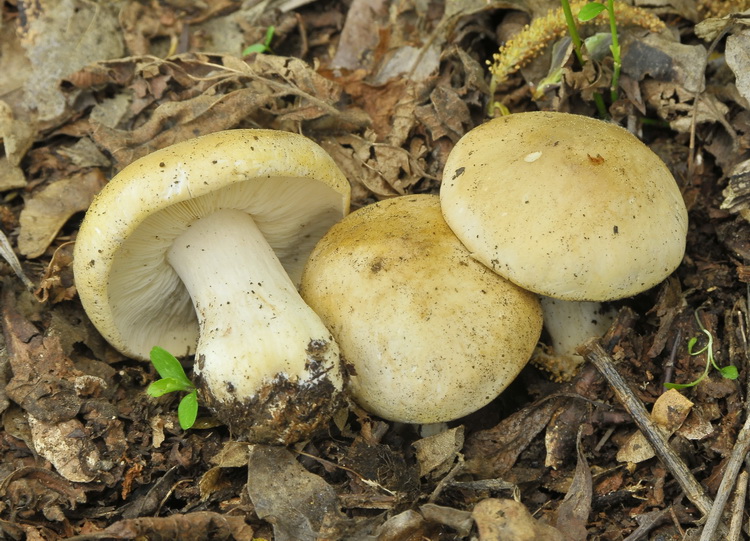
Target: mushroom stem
261	348
568	325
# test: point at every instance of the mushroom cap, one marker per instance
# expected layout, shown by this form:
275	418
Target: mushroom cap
287	183
427	334
565	205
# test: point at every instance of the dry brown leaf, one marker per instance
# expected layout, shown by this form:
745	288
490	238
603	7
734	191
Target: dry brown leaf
360	35
491	453
232	455
195	526
574	511
446	116
46	211
665	60
406	526
669	412
11	176
737	53
45	33
40	489
66	446
501	520
300	505
456	519
57	283
193	94
561	434
436	454
16	135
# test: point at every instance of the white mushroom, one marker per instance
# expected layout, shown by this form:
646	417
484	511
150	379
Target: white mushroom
197	248
565	205
427	334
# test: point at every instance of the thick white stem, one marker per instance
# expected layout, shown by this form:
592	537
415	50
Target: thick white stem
254	327
569	324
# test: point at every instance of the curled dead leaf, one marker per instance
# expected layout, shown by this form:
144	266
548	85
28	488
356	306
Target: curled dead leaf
46	211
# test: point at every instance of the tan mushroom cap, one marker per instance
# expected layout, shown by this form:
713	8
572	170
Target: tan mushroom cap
565	205
427	333
289	185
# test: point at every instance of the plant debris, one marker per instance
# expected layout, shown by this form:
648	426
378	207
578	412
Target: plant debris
387	88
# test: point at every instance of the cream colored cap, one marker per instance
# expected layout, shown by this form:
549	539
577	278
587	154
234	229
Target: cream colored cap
565	205
427	333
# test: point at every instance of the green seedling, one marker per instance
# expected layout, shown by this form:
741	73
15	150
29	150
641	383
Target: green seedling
728	372
264	47
588	12
578	45
173	379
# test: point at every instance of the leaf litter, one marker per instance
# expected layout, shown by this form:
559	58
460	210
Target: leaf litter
386	88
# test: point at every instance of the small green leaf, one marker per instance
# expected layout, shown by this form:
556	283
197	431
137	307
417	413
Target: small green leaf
729	372
254	48
168	366
167	385
269	36
264	47
589	11
187	411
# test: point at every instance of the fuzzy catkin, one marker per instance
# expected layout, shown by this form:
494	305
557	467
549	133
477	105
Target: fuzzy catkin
530	41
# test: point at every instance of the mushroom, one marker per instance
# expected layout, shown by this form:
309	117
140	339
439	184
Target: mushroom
427	334
198	248
566	206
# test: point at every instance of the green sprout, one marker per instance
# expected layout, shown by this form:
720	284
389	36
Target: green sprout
588	12
174	379
577	44
728	372
264	47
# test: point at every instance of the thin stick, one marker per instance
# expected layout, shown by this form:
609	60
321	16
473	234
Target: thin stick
593	351
741	447
738	508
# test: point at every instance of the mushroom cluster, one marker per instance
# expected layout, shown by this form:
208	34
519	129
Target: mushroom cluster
198	248
431	304
567	206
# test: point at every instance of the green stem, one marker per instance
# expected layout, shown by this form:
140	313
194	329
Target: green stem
572	29
615	48
600	106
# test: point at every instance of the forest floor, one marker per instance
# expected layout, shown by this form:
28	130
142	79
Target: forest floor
387	88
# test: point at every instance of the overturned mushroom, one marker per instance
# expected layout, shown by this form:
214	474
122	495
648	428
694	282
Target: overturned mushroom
197	248
566	206
427	334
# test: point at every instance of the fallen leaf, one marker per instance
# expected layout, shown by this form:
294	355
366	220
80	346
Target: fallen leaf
195	526
456	519
43	380
45	33
406	526
300	505
501	520
436	454
669	412
46	211
491	453
68	447
573	513
737	53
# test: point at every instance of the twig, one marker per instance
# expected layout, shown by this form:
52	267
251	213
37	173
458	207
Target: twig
593	351
645	526
738	508
741	447
669	365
